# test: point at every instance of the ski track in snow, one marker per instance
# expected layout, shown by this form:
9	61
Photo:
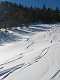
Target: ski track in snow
8	71
7	68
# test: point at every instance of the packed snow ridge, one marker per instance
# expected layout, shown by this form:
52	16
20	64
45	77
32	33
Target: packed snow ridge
33	54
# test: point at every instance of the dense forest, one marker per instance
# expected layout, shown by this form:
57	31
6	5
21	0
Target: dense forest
12	14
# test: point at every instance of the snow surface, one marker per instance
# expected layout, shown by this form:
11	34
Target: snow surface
31	54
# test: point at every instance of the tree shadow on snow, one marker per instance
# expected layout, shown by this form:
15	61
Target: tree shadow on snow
6	37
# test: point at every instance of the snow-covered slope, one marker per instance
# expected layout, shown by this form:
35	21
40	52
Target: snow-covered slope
35	57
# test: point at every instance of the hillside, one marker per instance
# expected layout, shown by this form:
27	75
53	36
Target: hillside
33	56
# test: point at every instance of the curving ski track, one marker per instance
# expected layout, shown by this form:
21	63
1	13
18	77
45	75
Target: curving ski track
5	72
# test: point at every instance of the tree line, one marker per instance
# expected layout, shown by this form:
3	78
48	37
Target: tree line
16	15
